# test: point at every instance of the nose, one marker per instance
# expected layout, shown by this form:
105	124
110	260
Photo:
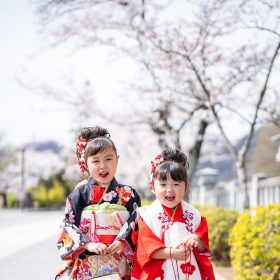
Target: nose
169	188
102	164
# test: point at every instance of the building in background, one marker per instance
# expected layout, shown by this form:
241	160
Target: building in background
217	187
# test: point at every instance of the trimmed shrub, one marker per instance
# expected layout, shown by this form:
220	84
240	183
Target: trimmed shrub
39	196
12	200
145	202
56	194
255	244
220	223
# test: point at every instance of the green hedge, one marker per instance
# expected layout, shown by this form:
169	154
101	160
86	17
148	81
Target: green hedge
220	223
12	200
255	244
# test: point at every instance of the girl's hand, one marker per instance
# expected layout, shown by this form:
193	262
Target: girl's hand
193	241
97	248
116	247
190	242
179	253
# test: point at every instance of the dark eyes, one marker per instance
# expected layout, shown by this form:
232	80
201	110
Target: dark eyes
175	185
97	161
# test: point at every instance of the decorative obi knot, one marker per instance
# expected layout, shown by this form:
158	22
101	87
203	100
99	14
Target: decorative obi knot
103	222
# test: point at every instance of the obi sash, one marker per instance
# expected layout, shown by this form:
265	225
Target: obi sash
102	222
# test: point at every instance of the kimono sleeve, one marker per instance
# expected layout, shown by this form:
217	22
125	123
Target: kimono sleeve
202	259
145	267
202	232
71	240
129	229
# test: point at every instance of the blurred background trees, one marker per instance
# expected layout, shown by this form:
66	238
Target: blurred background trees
203	67
201	76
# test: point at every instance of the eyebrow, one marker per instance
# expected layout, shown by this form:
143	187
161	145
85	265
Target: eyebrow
110	155
106	156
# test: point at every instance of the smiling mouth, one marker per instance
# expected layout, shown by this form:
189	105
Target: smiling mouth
170	198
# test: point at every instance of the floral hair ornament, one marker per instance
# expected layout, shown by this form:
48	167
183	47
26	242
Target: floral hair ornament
154	163
81	146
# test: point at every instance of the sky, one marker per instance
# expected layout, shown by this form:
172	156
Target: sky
24	115
28	61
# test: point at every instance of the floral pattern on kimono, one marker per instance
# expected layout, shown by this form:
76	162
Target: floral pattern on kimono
161	227
73	235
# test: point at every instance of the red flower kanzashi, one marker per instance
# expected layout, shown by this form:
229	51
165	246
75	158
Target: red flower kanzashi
154	163
158	159
81	146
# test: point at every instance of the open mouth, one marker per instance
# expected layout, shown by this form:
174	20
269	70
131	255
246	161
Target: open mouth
170	197
103	174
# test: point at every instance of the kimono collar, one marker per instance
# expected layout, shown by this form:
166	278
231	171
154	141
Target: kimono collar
113	184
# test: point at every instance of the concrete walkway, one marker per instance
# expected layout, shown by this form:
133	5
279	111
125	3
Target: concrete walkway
28	247
21	229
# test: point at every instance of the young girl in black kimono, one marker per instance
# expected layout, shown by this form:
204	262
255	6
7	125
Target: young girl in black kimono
97	232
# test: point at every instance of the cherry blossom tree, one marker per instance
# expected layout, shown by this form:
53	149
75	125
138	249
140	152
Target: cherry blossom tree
202	64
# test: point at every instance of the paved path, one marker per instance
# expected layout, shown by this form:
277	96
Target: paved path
28	245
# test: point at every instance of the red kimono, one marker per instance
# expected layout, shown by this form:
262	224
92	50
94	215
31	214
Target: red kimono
158	230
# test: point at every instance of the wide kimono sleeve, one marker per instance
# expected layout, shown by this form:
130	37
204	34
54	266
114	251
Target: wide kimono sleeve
202	259
128	232
71	240
145	267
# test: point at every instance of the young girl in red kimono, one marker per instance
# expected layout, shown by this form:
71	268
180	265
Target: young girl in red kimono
96	235
173	236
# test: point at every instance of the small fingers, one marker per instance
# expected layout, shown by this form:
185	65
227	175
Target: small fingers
191	242
102	249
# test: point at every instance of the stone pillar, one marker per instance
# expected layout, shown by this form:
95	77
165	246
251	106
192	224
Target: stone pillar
207	183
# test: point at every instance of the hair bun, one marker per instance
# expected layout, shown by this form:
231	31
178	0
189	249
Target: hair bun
175	155
94	132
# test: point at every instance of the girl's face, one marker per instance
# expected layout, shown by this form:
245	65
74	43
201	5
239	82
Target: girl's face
169	192
102	166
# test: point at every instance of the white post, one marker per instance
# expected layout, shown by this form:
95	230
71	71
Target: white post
202	194
254	190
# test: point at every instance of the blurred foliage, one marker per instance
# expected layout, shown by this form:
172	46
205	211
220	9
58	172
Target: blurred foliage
39	196
255	244
220	223
56	194
145	202
51	192
12	200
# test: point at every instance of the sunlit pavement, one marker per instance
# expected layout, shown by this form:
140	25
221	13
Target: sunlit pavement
219	277
28	245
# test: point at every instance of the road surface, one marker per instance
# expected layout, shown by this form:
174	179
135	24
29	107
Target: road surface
28	244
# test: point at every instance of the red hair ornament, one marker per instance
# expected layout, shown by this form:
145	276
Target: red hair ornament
154	163
81	146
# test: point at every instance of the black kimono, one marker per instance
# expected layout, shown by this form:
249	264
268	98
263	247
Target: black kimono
97	214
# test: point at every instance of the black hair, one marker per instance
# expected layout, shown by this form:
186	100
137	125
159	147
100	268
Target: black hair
175	164
98	141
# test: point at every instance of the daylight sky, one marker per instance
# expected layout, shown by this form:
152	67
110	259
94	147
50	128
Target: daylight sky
26	58
24	116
